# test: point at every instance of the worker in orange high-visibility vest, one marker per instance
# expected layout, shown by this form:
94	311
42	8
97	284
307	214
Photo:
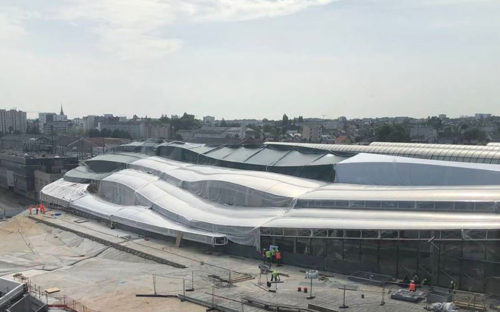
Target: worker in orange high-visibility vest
413	286
278	257
42	209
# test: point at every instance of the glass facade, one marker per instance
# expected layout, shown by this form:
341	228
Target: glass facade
468	257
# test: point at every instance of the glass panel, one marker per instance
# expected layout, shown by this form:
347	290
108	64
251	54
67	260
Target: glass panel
485	207
408	234
341	203
388	234
265	231
335	233
449	264
425	234
265	241
492	251
388	257
464	206
453	234
303	246
276	231
318	247
320	233
389	205
353	233
369	253
290	232
474	234
351	250
372	204
446	206
474	250
425	205
493	234
406	205
285	244
356	204
369	234
408	258
304	232
334	249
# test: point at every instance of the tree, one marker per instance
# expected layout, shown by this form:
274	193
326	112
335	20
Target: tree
301	119
435	122
223	123
94	133
475	134
391	133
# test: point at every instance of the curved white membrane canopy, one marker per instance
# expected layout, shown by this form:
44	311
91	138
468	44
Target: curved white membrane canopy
155	192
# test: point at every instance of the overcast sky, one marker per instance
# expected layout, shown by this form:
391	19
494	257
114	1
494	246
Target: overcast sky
251	58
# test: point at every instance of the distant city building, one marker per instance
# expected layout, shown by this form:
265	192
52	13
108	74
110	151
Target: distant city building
482	116
12	121
50	123
209	120
423	134
213	135
311	133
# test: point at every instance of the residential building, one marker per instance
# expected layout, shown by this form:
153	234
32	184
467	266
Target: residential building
12	121
311	133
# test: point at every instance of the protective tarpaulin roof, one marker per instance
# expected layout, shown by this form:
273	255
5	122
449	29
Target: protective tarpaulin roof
260	155
236	203
373	169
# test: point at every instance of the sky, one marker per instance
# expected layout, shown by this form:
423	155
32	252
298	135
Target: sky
251	58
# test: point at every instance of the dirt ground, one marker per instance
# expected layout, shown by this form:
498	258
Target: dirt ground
100	277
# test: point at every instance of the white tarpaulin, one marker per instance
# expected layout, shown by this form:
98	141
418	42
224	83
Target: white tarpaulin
374	169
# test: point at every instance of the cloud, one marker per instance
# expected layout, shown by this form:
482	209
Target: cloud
128	28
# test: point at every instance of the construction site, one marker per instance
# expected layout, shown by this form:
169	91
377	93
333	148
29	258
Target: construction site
183	227
75	264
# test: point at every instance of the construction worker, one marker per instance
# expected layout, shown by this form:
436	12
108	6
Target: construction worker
413	286
278	257
263	255
452	287
275	276
273	254
36	209
269	254
31	208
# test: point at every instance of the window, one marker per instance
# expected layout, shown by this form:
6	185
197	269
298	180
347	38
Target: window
408	234
444	206
320	233
389	204
286	244
304	232
425	205
369	234
318	247
335	249
276	231
388	234
453	234
356	204
406	205
373	204
290	232
353	233
335	233
303	246
474	234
